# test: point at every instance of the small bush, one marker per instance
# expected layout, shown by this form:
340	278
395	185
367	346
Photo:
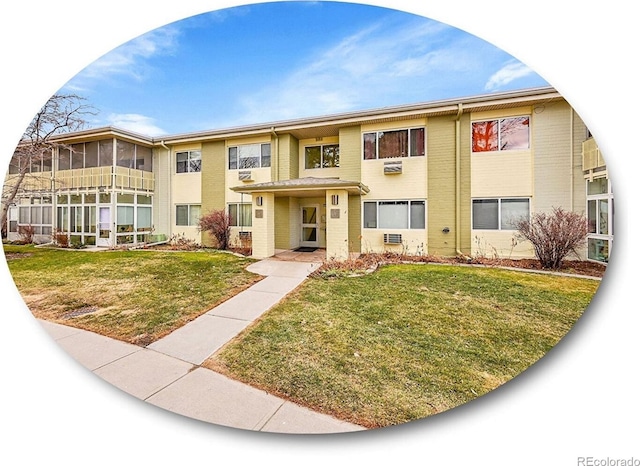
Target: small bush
554	235
26	232
218	224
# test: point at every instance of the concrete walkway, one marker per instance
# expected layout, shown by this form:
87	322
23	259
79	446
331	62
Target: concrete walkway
167	373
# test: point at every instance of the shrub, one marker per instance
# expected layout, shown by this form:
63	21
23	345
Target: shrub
26	232
218	224
554	235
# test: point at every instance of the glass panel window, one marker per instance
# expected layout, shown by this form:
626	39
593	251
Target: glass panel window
125	218
395	143
499	135
64	159
144	218
233	158
312	157
511	211
144	158
240	215
417	142
265	155
598	186
249	156
331	156
393	214
91	154
498	214
77	156
105	150
370	146
187	214
125	154
370	215
188	162
485	214
322	156
417	218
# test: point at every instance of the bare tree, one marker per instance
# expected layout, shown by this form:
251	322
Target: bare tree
62	113
554	235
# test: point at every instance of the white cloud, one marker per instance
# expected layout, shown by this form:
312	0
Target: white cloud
508	73
130	59
135	123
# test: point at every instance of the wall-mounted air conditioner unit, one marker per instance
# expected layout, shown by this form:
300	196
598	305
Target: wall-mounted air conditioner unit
392	238
244	175
393	168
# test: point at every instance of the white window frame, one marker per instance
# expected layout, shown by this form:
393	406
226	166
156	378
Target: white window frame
410	148
409	225
598	235
238	206
239	159
190	220
193	162
499	201
322	153
499	129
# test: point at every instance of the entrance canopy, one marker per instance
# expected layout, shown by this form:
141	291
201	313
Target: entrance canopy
303	187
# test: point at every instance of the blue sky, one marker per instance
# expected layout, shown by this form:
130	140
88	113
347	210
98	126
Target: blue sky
278	61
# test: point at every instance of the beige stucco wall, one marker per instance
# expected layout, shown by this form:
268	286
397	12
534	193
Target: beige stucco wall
186	188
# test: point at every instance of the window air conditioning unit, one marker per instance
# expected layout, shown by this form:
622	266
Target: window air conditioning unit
393	167
244	175
392	238
244	234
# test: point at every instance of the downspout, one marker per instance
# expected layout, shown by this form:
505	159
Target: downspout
276	159
164	146
571	175
458	182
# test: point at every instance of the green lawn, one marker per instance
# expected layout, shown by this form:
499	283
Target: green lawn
134	296
405	342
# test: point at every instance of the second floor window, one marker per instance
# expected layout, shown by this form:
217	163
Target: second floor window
395	143
250	156
188	161
327	156
500	134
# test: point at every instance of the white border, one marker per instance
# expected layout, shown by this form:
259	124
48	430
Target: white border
581	400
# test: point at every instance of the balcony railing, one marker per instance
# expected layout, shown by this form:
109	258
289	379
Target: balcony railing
105	177
591	156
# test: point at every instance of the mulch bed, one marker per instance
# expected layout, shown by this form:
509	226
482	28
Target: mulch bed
372	261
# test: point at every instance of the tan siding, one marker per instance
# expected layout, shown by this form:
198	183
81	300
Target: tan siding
162	195
350	153
441	175
213	179
355	224
553	157
283	223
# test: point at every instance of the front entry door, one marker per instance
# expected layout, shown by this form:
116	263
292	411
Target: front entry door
104	226
310	226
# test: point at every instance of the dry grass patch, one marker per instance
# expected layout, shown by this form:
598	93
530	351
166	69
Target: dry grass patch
134	296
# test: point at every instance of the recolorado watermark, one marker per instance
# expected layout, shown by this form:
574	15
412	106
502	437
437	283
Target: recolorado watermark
595	461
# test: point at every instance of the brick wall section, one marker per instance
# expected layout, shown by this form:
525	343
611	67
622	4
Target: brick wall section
441	190
213	180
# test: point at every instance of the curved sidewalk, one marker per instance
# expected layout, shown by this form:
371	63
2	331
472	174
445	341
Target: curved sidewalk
167	373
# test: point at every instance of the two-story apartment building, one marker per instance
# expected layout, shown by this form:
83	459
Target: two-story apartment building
442	178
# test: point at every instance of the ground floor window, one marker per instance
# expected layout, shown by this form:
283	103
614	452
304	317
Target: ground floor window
499	214
187	214
600	218
240	215
400	214
34	214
